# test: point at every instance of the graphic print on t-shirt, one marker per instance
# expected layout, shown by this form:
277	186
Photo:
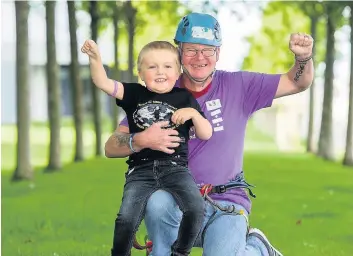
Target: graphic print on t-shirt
153	111
214	107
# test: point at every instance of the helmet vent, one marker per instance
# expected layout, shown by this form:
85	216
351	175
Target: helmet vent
186	22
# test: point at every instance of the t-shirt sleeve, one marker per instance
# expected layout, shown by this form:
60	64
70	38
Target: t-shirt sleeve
124	122
259	90
131	92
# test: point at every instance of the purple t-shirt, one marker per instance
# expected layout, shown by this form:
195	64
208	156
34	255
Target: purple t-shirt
228	104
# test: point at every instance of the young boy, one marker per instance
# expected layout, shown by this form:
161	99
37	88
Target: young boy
150	170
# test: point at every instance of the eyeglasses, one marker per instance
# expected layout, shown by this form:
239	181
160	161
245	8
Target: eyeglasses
206	52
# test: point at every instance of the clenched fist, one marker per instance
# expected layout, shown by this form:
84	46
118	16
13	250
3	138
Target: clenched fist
91	49
301	45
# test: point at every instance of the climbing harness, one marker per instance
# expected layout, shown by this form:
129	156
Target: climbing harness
206	190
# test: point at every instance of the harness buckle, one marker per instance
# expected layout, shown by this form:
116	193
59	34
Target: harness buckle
205	189
221	189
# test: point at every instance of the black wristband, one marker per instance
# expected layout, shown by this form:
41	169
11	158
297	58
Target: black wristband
303	60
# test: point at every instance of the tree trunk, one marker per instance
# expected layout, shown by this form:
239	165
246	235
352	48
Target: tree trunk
325	149
97	111
310	140
131	20
23	169
54	90
348	156
76	83
116	63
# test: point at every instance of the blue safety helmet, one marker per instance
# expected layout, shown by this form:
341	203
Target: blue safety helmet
199	28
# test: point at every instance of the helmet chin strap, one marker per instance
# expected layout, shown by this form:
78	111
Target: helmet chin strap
199	81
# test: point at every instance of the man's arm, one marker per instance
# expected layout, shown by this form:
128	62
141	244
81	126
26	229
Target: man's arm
298	79
117	146
301	75
154	138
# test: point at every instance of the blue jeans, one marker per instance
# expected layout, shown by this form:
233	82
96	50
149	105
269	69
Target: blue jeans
141	182
221	234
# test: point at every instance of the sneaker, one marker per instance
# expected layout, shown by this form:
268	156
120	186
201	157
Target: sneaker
272	251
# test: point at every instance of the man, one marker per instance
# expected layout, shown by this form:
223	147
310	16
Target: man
228	99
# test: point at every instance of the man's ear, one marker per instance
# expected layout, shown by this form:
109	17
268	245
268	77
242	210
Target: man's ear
217	53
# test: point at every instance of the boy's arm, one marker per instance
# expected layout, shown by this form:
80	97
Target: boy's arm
100	79
203	128
98	74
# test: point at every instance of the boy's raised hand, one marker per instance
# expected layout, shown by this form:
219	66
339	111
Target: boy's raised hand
91	49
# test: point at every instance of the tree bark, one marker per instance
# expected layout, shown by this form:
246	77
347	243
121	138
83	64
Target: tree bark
310	139
76	83
325	149
23	169
54	90
348	156
97	109
131	20
115	108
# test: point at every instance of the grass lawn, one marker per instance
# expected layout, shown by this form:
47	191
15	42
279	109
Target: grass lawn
72	212
303	204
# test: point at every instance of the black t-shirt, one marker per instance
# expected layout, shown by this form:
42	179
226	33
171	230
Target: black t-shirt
144	107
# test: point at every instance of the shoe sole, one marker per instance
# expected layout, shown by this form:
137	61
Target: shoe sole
262	235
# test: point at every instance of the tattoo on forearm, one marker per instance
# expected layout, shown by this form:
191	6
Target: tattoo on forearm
122	138
299	71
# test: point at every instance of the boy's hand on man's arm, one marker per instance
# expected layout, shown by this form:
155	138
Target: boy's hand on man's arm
154	137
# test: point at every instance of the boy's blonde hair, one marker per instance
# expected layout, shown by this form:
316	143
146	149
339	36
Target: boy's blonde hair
158	45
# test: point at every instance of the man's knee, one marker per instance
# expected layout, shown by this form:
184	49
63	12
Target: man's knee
161	205
162	220
226	235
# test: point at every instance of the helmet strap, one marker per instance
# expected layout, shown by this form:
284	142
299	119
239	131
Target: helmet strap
199	81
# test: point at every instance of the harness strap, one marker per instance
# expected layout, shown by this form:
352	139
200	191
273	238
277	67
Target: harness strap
148	245
214	217
220	189
205	190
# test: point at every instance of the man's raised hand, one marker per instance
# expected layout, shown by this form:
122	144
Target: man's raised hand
301	45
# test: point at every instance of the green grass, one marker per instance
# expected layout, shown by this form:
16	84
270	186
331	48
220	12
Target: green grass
72	212
303	204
